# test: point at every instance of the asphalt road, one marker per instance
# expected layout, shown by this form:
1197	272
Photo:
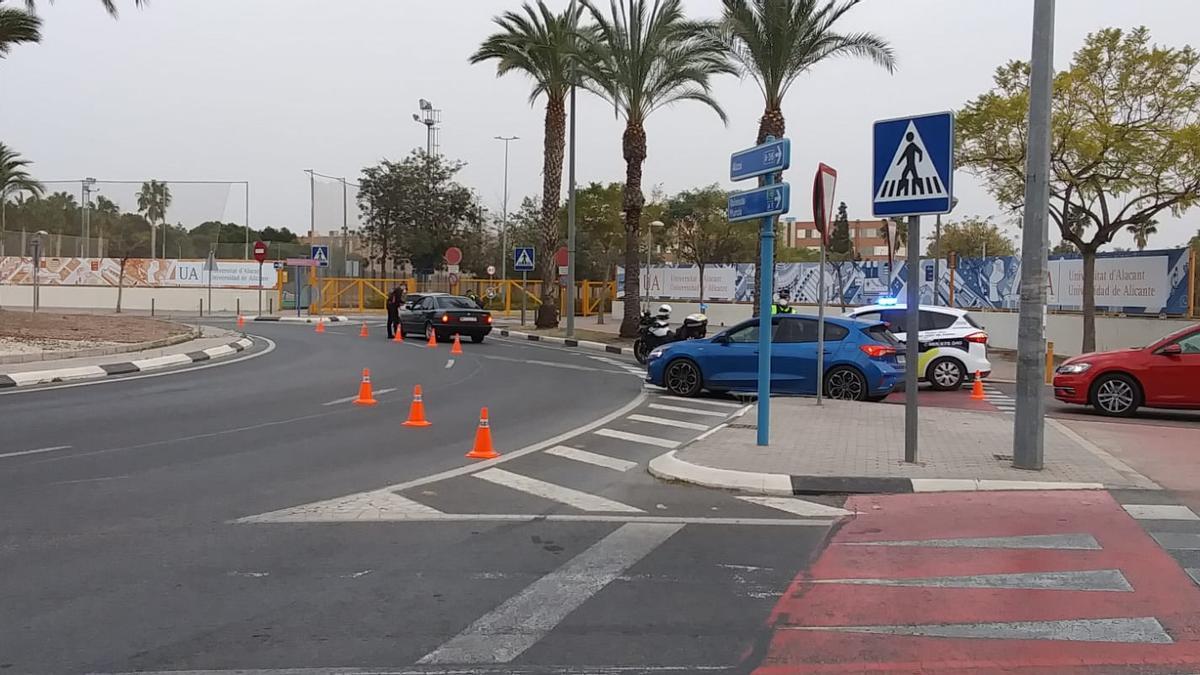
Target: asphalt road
248	516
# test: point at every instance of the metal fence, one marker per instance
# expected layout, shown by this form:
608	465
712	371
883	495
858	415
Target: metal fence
342	294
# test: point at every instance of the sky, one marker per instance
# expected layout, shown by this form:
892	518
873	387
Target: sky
260	90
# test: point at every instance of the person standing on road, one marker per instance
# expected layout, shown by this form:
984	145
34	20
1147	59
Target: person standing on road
783	304
395	300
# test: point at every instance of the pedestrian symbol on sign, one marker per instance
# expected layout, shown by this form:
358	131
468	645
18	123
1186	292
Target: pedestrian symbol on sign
911	173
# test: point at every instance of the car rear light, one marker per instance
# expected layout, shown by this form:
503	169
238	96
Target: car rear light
878	351
488	318
445	318
978	337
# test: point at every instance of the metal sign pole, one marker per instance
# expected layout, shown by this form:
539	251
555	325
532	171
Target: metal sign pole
296	271
766	240
524	294
912	326
821	322
260	288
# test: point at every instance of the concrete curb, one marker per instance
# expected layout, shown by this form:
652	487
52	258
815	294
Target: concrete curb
301	319
98	351
122	368
669	466
568	342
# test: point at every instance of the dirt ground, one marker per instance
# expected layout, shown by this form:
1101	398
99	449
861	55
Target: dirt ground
50	330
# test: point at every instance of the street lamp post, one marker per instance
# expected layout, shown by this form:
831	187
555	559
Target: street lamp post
86	217
649	251
504	218
430	117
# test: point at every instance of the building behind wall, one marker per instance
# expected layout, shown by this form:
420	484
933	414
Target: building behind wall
868	236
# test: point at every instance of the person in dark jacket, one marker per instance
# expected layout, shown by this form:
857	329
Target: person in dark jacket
395	300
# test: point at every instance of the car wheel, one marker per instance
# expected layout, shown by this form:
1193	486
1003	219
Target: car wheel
683	378
477	338
845	384
1117	395
430	332
946	374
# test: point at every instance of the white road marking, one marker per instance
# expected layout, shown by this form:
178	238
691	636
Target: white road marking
450	363
706	401
1075	580
556	669
34	452
637	438
377	392
1177	541
650	419
364	506
591	458
508	456
1066	542
1160	512
799	507
556	493
1138	630
521	621
690	411
550	518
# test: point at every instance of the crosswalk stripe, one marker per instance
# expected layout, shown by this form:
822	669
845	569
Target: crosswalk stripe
1160	512
690	411
650	419
637	438
591	458
521	621
799	507
557	493
706	401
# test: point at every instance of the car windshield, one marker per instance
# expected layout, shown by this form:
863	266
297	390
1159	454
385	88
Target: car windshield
455	302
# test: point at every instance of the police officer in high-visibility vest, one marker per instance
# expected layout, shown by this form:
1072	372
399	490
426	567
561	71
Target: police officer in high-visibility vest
783	304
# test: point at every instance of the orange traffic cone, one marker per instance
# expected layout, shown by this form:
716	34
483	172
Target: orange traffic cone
362	333
457	348
483	440
399	337
320	326
365	397
416	412
432	340
977	388
241	323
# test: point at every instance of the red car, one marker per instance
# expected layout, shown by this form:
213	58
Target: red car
1164	375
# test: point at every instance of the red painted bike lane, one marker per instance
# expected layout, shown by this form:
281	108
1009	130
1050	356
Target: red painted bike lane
1032	582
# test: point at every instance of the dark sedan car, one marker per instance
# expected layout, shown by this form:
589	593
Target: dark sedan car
444	316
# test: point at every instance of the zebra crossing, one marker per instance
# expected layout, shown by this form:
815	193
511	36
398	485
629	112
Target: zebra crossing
1002	401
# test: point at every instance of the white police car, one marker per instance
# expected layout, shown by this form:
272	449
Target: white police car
953	345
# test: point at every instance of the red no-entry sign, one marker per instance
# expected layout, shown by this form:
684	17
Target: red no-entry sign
260	251
453	255
560	256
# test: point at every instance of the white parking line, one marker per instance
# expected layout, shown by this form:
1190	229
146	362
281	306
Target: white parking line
34	452
378	392
591	458
650	419
557	493
637	438
521	621
690	411
450	363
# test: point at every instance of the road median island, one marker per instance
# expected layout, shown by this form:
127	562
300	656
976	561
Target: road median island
845	447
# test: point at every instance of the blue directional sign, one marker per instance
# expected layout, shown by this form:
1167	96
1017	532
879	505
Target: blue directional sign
523	259
321	255
770	157
769	200
913	173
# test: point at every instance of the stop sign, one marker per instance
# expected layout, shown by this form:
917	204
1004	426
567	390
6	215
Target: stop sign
560	256
453	255
260	251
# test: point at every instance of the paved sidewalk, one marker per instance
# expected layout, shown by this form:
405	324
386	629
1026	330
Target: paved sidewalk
859	447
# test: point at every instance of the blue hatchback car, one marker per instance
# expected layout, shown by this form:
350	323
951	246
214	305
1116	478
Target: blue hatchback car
862	359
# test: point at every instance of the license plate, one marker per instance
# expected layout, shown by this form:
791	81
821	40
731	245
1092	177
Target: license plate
900	359
468	319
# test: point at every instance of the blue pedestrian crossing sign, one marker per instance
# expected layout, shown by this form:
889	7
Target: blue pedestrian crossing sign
913	172
321	255
523	259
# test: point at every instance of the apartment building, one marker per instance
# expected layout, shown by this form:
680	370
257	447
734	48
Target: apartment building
868	237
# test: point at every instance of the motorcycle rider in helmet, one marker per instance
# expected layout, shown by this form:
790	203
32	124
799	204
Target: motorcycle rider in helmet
662	321
783	304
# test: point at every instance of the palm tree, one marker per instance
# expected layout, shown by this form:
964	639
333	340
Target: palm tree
640	56
1142	231
17	26
540	44
109	5
153	201
14	178
776	41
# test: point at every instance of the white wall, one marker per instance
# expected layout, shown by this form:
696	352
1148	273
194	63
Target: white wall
138	299
1065	330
